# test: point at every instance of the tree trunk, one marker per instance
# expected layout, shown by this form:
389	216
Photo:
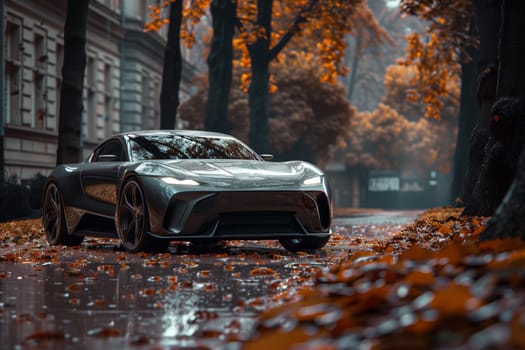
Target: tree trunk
2	90
2	159
220	65
511	72
468	115
358	53
509	218
258	90
488	23
171	74
70	115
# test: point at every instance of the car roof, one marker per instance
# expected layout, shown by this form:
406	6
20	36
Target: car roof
174	132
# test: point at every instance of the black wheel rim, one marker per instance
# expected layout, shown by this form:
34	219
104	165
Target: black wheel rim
131	215
52	213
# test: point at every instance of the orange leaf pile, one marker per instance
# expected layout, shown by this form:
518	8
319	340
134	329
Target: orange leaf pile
432	286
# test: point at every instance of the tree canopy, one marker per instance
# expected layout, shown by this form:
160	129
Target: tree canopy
435	53
318	28
306	114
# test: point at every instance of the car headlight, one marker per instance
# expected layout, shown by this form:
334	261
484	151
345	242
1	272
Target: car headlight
174	181
316	180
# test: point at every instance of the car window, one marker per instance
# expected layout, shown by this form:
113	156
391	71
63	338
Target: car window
110	151
188	147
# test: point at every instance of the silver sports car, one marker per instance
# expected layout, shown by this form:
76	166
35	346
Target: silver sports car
150	187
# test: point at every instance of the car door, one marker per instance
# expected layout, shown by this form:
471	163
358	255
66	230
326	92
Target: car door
99	178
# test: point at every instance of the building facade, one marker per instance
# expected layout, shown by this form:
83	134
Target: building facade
122	82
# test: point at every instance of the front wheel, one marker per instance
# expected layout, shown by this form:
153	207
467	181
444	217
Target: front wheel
53	218
132	220
302	244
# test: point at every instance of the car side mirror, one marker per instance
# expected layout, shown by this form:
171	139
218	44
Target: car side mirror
107	158
267	157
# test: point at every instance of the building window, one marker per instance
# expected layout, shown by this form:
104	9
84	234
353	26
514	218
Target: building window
58	82
140	9
39	100
13	92
91	94
40	50
13	81
148	102
39	80
108	100
157	86
13	37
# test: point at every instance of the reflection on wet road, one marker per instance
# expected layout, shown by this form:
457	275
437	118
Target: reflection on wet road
98	297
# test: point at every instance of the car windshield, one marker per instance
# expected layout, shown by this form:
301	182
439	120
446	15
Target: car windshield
170	146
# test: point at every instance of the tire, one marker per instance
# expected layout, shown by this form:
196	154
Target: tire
302	244
53	218
132	221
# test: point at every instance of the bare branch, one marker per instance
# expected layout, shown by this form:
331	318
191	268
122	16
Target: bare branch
300	18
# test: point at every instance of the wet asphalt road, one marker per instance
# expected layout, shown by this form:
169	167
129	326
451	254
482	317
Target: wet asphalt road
99	297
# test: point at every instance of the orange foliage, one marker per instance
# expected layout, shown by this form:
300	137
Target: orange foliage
438	288
385	140
431	284
192	13
435	54
322	34
397	135
322	30
304	110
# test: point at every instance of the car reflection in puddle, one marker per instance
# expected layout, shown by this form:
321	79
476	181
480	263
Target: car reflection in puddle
193	296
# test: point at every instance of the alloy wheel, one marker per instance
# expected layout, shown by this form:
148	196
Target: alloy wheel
132	216
52	214
53	218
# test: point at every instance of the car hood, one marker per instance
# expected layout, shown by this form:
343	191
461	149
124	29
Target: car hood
251	173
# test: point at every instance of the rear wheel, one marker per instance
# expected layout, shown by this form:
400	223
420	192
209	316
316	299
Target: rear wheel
53	218
132	220
305	243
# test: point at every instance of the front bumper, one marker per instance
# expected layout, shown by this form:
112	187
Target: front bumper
177	213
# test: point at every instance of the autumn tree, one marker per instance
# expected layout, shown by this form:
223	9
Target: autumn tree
488	20
468	117
267	27
508	124
220	58
449	42
500	92
481	190
2	97
372	48
70	112
220	65
172	70
399	79
385	140
435	52
181	22
308	117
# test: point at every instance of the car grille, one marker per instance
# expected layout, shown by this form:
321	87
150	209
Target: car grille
247	213
257	223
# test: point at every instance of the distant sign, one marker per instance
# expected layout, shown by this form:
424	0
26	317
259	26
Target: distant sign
332	166
383	184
